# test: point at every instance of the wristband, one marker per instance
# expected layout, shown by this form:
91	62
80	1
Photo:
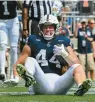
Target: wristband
24	29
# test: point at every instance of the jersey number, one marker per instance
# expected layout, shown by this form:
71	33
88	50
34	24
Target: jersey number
5	8
41	58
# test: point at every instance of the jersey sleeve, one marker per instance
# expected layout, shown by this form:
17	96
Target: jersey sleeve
67	42
30	41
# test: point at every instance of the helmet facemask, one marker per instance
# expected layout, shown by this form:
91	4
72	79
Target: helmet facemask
49	33
48	26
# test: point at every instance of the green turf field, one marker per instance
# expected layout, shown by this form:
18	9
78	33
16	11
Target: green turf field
39	98
46	98
13	89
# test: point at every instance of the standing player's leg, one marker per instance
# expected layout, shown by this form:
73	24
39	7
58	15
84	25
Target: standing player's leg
13	38
3	47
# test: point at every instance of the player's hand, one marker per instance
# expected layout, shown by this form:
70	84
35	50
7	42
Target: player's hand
11	82
60	50
25	33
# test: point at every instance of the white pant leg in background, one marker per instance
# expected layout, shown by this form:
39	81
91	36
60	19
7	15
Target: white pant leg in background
13	36
9	32
3	45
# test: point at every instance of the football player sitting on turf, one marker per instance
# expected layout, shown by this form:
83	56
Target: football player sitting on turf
38	64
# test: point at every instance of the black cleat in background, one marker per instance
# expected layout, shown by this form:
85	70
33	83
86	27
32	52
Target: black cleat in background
2	77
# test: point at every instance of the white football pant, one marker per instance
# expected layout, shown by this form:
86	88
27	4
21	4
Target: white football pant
49	83
9	35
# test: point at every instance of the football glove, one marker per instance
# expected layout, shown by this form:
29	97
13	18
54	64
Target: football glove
60	50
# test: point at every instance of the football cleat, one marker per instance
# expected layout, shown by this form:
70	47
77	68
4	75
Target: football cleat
29	80
83	88
10	83
2	77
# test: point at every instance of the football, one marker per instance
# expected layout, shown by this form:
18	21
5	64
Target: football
61	60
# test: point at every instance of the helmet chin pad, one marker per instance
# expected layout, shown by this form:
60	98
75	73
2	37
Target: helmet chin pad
46	37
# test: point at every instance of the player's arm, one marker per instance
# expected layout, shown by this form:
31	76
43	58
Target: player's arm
26	52
71	58
67	53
